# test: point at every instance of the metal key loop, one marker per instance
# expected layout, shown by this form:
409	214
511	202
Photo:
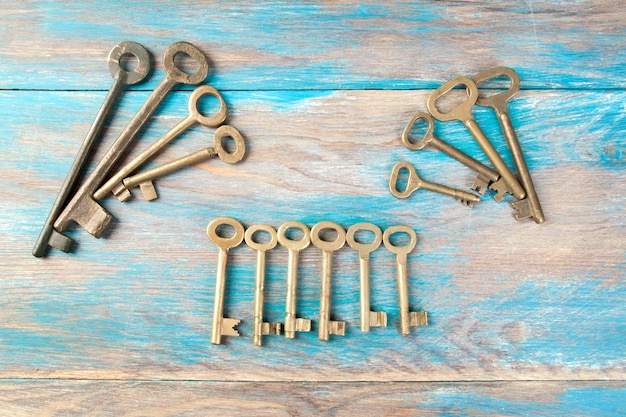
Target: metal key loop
82	208
499	103
368	317
115	182
121	78
485	174
413	318
464	113
144	179
293	324
326	326
223	326
261	328
414	183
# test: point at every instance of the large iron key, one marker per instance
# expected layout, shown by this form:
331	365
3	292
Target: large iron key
82	208
326	325
223	326
49	236
485	174
115	182
408	318
530	206
464	113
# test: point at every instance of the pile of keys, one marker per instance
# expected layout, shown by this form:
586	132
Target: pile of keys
83	207
502	180
223	326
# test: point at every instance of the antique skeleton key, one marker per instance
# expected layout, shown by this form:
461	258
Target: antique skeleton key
463	112
293	324
260	327
144	179
414	183
83	208
327	326
223	326
368	317
195	117
530	206
485	174
408	318
49	236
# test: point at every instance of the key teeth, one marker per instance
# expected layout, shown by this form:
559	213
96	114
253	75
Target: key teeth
378	318
229	327
523	210
148	190
121	192
500	188
466	203
480	185
272	328
303	325
418	318
338	328
61	242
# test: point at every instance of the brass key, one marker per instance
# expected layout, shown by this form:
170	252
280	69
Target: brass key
144	179
195	117
368	317
485	174
464	113
327	326
260	327
408	318
530	206
293	324
223	326
414	183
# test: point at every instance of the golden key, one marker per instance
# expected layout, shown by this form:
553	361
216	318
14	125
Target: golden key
368	317
408	318
223	326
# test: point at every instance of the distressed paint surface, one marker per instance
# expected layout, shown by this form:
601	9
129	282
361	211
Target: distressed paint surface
321	93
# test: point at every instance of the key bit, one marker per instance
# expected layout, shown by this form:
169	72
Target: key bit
485	174
407	319
327	326
368	317
260	327
501	188
223	326
414	183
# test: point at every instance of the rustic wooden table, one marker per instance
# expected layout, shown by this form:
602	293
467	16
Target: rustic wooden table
525	319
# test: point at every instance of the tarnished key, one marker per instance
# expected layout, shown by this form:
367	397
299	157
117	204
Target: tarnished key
49	236
414	183
485	174
408	318
530	206
327	326
293	324
144	179
223	326
368	317
82	208
115	182
464	113
260	327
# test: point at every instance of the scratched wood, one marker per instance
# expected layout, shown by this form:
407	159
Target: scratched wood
321	94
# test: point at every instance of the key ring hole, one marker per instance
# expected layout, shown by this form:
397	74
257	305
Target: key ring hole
328	236
175	56
186	63
294	235
261	237
364	237
500	84
400	179
229	144
129	62
399	239
202	102
449	99
418	132
225	232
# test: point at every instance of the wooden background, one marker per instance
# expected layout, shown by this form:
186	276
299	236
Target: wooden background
525	319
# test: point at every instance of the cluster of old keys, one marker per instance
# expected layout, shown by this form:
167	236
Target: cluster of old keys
320	237
501	180
83	207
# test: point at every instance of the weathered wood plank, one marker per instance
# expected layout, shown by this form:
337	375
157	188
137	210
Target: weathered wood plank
286	45
167	398
507	300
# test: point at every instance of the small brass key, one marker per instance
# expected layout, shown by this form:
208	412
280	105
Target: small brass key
485	174
408	318
260	327
223	326
293	324
414	183
368	317
327	326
